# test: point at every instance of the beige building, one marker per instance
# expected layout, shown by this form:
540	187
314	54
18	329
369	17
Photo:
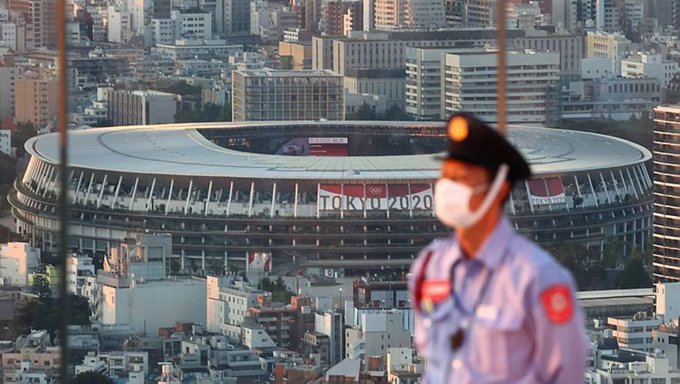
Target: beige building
392	14
298	56
383	50
266	95
612	46
571	49
35	100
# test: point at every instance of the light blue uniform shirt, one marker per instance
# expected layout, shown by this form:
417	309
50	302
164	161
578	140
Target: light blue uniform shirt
521	330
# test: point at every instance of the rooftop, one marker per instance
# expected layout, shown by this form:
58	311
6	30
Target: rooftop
180	150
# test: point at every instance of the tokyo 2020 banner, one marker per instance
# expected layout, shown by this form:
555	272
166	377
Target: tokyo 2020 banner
375	197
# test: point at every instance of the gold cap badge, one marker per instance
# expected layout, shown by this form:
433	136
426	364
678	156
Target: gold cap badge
458	129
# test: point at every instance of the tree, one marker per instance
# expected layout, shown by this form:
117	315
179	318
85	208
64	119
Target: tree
184	88
634	275
24	131
365	112
41	287
7	171
613	252
45	314
91	378
582	262
394	113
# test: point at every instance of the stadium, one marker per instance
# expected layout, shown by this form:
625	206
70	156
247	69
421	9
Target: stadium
345	196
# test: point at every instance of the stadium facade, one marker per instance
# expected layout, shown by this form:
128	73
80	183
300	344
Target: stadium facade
347	195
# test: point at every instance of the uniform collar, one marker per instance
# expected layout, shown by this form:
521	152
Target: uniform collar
492	250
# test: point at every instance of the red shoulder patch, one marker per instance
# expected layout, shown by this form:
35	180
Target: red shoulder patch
557	303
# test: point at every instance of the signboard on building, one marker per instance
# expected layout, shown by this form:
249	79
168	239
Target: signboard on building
375	197
547	191
259	262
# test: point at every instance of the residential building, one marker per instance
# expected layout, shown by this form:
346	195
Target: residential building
389	14
8	35
17	261
6	142
33	360
395	14
232	17
79	267
141	107
183	26
228	302
270	20
35	100
666	256
119	25
266	95
650	65
636	332
612	46
280	322
317	346
333	14
469	84
41	22
331	324
376	333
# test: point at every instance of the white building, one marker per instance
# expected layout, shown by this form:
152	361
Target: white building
150	305
228	300
469	84
423	81
331	325
651	65
196	26
388	85
270	20
376	333
8	76
8	35
79	267
668	301
651	368
6	142
636	332
596	68
265	95
119	25
17	261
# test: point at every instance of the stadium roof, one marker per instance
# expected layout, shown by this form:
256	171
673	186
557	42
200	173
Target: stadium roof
180	150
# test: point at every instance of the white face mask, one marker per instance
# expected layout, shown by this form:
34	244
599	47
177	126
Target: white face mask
452	200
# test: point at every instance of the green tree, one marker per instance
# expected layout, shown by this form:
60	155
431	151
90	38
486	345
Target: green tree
634	275
613	252
91	378
23	132
225	114
394	113
184	88
45	314
41	287
583	264
7	170
364	112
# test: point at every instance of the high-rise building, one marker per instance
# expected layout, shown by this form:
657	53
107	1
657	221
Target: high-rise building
392	14
17	261
666	223
333	16
35	100
7	85
264	95
41	21
469	84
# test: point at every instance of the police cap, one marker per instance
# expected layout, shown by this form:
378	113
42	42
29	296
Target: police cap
473	141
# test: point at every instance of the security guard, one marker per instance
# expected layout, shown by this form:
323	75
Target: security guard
491	306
